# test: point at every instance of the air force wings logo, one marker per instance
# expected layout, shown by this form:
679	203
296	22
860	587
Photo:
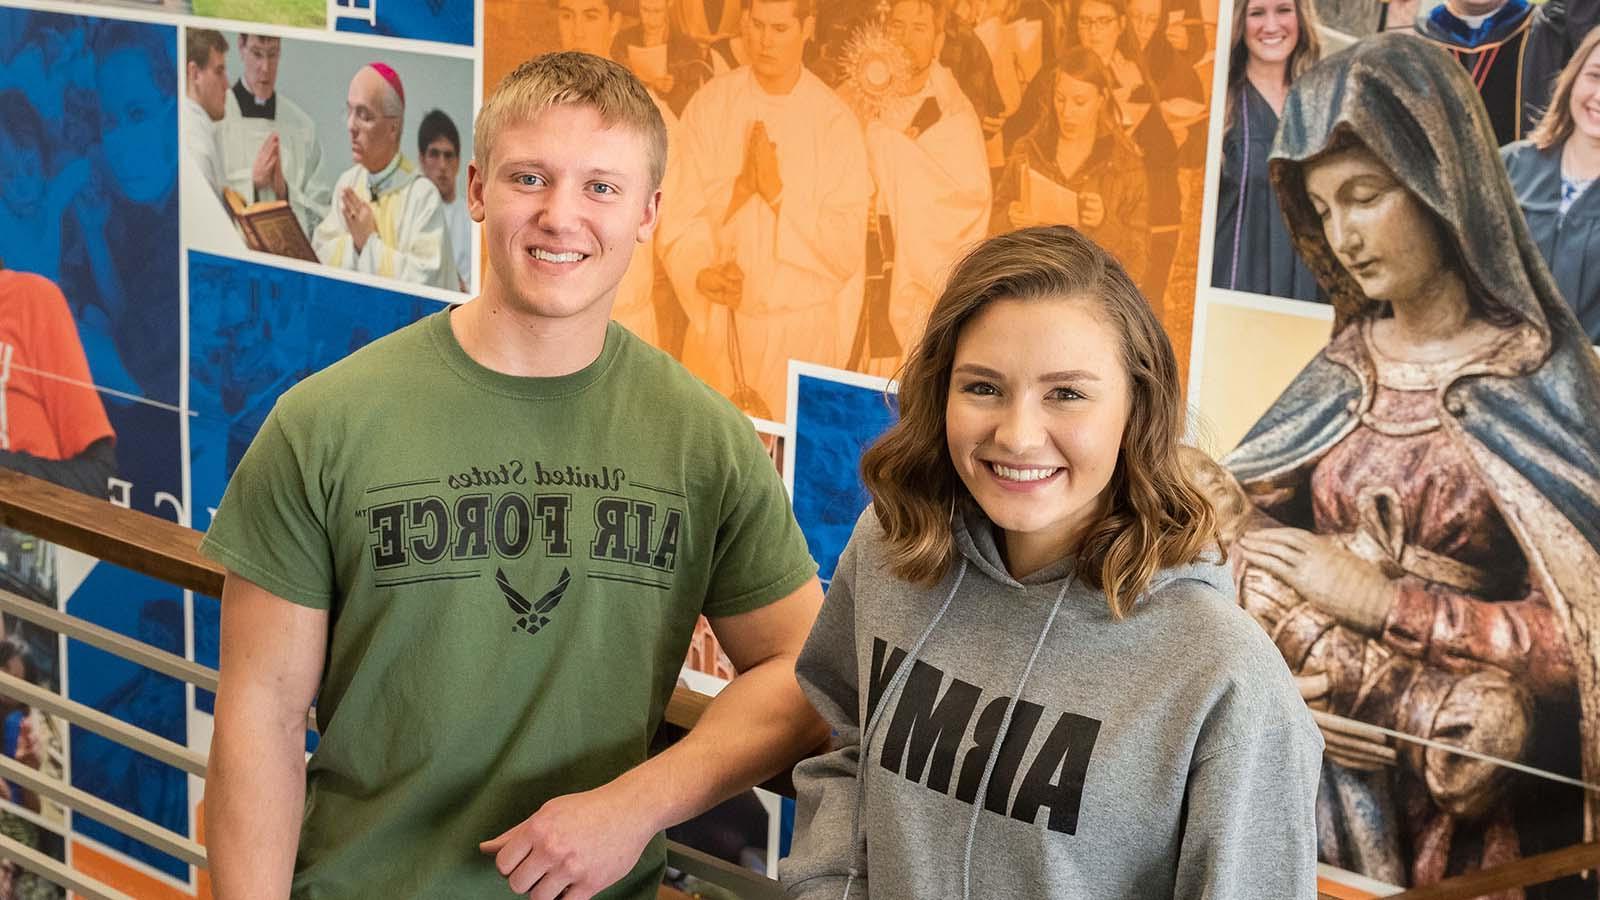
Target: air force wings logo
532	616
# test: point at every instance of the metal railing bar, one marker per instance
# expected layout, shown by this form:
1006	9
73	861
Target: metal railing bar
28	815
744	883
132	825
131	736
110	641
58	872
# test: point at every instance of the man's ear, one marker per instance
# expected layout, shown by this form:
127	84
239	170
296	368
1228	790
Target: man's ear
474	191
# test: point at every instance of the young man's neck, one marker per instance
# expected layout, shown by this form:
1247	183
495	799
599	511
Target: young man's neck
779	85
504	340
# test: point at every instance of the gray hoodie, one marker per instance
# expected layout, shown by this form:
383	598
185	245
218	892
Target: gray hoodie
1165	755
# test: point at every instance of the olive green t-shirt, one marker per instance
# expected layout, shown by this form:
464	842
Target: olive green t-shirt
513	569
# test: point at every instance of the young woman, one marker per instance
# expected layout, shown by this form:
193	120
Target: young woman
1274	42
1036	565
1553	173
1080	146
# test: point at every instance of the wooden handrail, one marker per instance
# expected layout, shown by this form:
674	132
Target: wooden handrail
1524	872
128	538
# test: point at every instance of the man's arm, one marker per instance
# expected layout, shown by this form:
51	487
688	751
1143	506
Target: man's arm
757	727
272	653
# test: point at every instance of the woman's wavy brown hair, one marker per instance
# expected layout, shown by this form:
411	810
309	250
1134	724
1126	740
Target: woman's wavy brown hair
1555	124
1154	516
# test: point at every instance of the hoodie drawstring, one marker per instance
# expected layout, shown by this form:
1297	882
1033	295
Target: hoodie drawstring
876	715
982	797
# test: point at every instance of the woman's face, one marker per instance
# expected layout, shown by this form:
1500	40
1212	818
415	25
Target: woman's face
1271	30
1099	26
1378	230
138	127
1037	405
1077	106
1585	105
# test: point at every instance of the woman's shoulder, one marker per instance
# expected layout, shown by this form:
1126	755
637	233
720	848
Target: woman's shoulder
1224	647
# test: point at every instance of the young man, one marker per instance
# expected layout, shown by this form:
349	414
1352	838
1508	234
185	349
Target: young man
482	544
269	144
439	148
205	101
387	219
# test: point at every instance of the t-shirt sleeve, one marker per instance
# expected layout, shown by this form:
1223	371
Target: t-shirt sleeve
76	414
760	555
271	524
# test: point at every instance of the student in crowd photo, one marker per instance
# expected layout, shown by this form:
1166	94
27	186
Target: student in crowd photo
439	149
1078	166
205	101
1553	173
1274	43
1031	652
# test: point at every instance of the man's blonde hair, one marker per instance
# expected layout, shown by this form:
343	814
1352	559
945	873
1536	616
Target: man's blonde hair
578	79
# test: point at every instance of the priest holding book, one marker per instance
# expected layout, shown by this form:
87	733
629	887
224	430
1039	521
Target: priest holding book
386	218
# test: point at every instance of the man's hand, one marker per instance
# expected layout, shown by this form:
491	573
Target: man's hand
358	217
1091	210
763	154
267	173
1020	216
580	844
722	284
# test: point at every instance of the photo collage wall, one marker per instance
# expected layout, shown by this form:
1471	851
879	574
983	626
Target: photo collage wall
185	189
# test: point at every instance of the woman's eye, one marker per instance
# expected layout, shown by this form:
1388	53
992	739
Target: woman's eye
1063	393
981	389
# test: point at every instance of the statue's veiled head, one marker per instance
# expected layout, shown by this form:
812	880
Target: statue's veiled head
1393	109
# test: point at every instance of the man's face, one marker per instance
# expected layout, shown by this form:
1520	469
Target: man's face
211	85
564	200
1144	17
653	14
374	136
775	37
911	26
440	162
261	65
586	25
1475	7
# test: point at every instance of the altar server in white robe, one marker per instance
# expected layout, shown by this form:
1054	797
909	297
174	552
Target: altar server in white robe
387	218
928	161
767	252
269	144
